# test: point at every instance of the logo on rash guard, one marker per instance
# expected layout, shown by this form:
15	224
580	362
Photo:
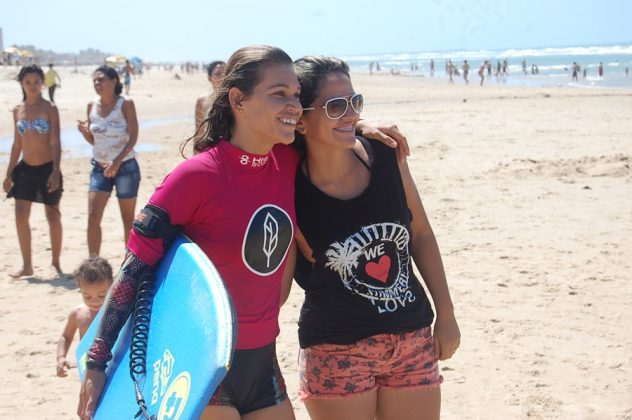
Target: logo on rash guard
267	239
256	161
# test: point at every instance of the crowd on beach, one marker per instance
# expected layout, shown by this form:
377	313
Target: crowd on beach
261	102
487	70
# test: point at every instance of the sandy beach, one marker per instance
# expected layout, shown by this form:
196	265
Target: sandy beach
529	192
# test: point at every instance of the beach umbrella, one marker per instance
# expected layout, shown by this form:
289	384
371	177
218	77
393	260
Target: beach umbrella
137	62
11	50
114	60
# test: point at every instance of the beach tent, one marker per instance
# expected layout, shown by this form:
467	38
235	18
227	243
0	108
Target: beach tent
115	60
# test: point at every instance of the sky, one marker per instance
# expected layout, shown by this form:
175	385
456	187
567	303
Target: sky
204	30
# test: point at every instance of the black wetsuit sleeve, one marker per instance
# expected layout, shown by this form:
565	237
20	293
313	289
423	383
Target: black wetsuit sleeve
118	306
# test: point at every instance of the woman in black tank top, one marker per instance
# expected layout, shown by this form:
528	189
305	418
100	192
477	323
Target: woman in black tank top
361	220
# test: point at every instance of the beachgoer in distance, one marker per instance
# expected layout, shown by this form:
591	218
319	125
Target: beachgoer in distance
94	277
367	349
52	81
112	129
600	69
243	170
466	70
481	71
450	68
215	70
36	178
127	71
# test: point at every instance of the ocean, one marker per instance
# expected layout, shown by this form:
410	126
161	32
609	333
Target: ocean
554	65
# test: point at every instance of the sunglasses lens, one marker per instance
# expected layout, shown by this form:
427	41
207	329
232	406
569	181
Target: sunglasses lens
357	103
336	108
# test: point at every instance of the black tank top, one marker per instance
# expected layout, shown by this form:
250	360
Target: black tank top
362	282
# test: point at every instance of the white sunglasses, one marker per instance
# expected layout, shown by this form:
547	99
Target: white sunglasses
335	108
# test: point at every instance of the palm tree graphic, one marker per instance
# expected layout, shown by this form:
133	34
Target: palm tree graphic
343	258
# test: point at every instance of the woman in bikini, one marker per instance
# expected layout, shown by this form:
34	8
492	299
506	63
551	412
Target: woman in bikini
36	178
112	130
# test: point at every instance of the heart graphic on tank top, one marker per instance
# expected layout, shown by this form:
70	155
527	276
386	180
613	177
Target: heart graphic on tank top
379	270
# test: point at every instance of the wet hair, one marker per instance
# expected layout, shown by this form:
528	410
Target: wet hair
111	74
31	68
93	270
211	67
311	71
243	71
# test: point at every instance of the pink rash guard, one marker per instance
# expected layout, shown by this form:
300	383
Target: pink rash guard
239	209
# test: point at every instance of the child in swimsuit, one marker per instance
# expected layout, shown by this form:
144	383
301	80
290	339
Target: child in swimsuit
94	277
36	177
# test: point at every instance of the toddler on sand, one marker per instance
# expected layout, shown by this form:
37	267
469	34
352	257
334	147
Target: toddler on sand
94	277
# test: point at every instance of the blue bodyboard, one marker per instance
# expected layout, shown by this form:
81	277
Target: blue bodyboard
191	341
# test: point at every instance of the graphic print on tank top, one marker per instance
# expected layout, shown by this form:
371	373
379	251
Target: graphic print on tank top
267	239
374	263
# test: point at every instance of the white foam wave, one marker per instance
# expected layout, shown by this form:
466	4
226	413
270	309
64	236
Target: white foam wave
482	54
544	52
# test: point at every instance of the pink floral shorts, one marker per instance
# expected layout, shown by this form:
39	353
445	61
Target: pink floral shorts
403	360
